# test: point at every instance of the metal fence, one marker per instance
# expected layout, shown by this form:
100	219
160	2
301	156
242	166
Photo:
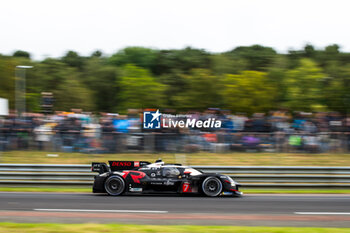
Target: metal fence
92	142
250	176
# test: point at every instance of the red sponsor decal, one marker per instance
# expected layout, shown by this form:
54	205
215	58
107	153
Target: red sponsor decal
186	188
121	164
135	175
136	164
125	174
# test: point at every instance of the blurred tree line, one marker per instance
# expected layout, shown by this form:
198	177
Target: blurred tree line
246	79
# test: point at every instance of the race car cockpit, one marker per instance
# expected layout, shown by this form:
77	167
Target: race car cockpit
170	172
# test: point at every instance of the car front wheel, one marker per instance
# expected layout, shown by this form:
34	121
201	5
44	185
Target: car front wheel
212	186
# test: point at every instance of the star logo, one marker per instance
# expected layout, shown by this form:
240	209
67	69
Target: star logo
156	115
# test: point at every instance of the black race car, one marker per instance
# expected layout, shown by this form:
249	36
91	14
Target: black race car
144	177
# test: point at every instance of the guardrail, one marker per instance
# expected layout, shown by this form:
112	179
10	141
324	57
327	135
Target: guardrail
248	176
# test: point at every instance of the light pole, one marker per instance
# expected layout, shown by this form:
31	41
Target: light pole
20	75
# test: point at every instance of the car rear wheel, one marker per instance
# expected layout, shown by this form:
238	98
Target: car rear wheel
115	185
212	186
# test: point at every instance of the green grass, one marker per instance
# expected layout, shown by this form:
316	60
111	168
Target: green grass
296	191
246	191
92	228
46	189
204	158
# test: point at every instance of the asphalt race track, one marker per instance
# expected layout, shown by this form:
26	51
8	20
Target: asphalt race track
250	210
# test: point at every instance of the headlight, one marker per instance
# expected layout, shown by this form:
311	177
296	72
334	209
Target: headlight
227	178
233	183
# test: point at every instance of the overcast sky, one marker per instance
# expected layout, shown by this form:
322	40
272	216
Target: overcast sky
51	27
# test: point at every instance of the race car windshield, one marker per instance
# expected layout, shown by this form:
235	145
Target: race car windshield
170	172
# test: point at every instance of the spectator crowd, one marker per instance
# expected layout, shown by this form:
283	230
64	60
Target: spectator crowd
77	131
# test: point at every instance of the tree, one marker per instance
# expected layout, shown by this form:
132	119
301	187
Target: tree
7	79
276	78
32	102
304	86
139	56
257	57
331	53
21	53
225	64
332	50
202	90
72	94
63	81
73	59
174	85
102	80
309	51
97	53
336	92
247	78
47	75
249	92
183	60
138	89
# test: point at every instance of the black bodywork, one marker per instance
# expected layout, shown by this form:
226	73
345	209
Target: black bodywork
144	177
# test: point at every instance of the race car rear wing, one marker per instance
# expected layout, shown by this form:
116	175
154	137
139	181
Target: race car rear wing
117	166
126	165
99	167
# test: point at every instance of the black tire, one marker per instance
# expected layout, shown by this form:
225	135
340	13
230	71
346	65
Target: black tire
212	186
115	185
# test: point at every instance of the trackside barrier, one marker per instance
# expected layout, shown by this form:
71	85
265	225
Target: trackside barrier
249	176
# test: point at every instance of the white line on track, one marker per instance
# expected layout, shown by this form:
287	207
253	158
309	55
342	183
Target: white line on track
323	213
105	211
